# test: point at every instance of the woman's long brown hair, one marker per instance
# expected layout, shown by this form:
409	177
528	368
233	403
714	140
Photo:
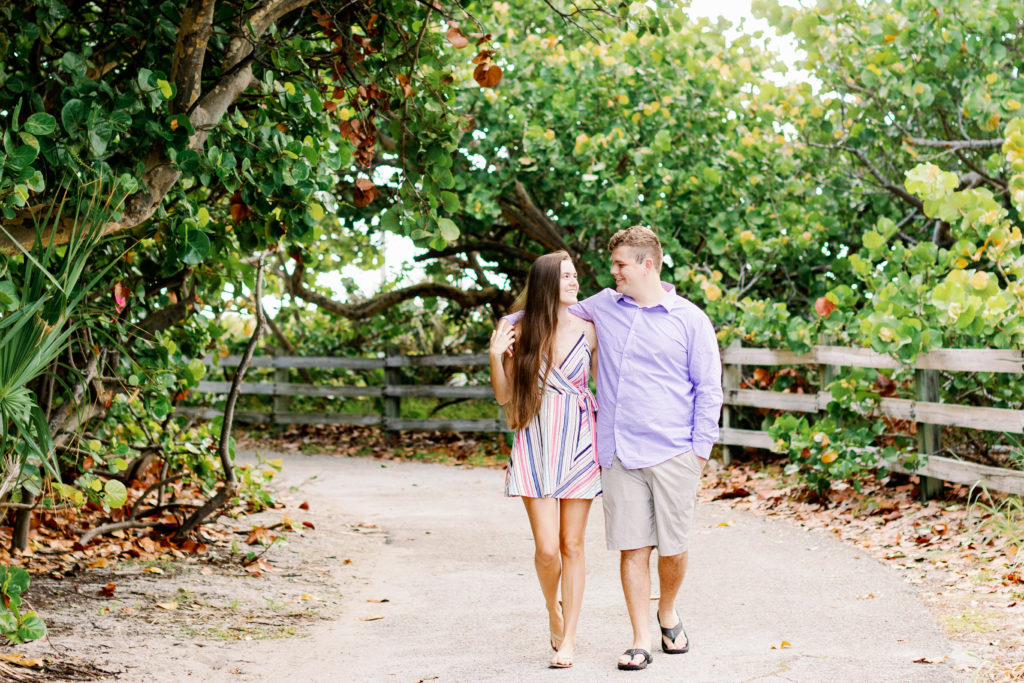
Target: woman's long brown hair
535	340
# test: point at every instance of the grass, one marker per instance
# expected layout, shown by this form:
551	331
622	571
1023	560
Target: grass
973	621
997	522
226	632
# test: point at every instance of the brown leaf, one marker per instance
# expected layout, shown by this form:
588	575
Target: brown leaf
482	56
403	80
308	524
737	492
364	192
18	659
487	75
303	505
108	590
456	38
170	606
372	617
824	307
260	534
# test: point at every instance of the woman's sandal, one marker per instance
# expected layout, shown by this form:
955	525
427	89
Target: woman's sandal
559	665
672	634
633	653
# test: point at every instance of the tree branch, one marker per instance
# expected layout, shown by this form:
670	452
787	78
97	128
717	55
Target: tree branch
957	144
371	307
891	187
190	52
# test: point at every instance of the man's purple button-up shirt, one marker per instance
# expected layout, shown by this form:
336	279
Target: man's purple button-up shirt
659	378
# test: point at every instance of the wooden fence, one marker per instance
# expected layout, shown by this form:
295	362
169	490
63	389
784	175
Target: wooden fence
926	410
392	392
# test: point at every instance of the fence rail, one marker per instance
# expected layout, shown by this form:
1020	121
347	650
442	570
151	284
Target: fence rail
930	415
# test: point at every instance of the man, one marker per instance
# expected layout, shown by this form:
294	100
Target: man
659	384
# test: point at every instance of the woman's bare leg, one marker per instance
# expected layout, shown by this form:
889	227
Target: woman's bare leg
543	514
573	518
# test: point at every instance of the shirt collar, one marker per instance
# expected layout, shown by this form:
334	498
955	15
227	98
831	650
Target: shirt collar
668	302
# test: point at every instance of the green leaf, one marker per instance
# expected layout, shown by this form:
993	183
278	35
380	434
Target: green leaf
73	115
115	493
74	64
41	124
389	221
13	581
872	240
194	247
450	201
8	295
165	88
449	231
32	627
22	156
203	217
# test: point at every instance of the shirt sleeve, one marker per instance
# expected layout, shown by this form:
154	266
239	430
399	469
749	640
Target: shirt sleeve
706	376
513	318
587	308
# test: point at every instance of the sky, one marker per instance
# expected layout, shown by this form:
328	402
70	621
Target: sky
399	251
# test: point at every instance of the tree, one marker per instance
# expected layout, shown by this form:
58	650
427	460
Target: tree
218	131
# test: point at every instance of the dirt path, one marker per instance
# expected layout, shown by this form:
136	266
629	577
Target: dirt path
453	560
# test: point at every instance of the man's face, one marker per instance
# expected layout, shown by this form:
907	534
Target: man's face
629	275
568	285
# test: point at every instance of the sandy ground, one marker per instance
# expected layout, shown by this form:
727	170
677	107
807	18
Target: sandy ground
421	572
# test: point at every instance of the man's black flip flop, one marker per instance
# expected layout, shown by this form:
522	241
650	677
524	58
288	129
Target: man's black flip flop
672	634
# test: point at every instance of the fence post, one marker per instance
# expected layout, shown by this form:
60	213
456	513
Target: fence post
926	383
392	378
731	376
282	401
828	372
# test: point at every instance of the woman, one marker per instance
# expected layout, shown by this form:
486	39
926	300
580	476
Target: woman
543	385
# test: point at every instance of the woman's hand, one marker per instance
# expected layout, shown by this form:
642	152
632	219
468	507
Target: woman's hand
502	339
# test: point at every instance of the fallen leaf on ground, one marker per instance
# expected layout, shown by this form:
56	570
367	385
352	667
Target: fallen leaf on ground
372	617
378	600
308	525
866	596
729	523
783	645
732	493
108	590
306	596
167	605
303	505
153	570
929	660
19	659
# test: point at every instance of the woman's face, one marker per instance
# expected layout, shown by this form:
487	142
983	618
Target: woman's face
568	285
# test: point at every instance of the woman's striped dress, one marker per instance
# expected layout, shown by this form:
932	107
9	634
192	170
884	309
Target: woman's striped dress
553	457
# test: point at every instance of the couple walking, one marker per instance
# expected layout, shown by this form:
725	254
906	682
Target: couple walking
659	389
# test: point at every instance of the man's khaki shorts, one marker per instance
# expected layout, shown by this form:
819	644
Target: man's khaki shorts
652	506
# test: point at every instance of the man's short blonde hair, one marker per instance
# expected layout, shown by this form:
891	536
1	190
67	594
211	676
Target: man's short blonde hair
644	242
